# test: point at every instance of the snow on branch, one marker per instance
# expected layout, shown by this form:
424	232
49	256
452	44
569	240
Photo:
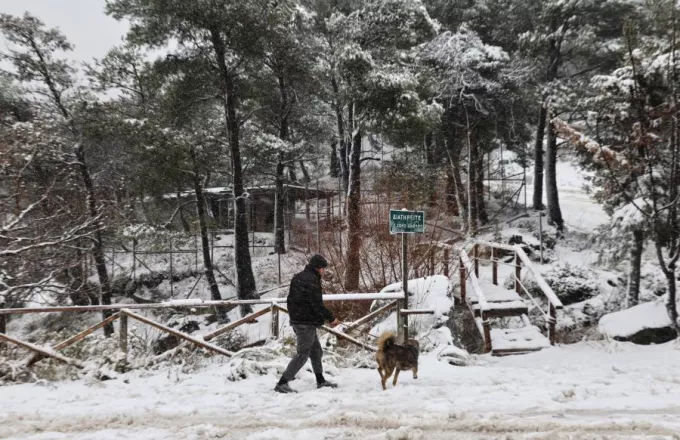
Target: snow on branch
601	154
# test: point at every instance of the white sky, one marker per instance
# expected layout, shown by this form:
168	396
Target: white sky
84	23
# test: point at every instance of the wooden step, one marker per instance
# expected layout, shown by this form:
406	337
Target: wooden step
503	303
503	309
522	340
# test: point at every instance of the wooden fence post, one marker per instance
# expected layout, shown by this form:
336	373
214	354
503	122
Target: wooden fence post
494	265
475	256
552	322
275	321
518	274
123	334
487	332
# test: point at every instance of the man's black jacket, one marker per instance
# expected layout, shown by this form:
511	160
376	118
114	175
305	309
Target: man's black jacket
305	304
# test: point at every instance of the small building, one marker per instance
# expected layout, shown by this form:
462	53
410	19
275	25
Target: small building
261	202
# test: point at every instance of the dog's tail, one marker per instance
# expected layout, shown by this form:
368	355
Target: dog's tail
386	340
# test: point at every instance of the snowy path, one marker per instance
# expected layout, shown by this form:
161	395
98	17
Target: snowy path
580	212
583	391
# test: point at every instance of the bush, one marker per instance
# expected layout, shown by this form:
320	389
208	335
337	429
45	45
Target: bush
571	284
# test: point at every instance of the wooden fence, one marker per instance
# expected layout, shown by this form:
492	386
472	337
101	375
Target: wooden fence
124	312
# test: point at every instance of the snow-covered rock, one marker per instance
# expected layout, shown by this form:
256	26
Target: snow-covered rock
424	293
646	323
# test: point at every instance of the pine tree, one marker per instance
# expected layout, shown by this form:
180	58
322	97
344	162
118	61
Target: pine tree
206	30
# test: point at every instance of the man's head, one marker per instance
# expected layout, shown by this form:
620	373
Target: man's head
318	263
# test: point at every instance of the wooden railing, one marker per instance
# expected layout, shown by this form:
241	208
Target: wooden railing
470	272
125	311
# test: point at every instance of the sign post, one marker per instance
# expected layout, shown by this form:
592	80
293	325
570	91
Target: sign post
405	222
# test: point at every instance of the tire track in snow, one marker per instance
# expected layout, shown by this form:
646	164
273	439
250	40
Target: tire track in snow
617	425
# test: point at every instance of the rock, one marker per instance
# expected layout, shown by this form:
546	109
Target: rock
464	329
644	324
650	336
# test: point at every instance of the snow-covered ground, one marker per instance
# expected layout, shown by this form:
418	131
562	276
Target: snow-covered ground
604	390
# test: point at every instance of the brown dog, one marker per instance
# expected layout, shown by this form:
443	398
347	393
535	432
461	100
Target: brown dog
393	357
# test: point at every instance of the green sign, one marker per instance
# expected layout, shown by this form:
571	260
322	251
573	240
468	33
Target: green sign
407	222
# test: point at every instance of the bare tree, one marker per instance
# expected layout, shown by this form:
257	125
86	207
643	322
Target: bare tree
33	54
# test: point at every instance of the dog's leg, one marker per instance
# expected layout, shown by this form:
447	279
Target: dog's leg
396	375
386	376
380	371
415	372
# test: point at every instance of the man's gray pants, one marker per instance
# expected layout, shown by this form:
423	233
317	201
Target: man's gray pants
308	346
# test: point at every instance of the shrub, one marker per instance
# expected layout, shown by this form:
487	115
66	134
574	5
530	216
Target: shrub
571	284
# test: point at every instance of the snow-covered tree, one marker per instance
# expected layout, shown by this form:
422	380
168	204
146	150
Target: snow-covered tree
228	37
478	85
375	84
634	122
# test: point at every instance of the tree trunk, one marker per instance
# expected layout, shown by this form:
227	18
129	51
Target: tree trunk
538	159
552	194
453	152
461	198
451	204
669	272
245	280
305	173
352	273
635	268
672	300
3	320
431	168
342	138
554	58
472	188
344	164
205	244
279	229
98	244
479	182
284	129
335	162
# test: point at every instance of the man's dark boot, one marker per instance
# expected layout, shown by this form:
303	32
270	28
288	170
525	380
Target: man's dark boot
326	384
283	387
321	382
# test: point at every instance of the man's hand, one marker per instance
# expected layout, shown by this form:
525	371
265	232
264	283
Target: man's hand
335	323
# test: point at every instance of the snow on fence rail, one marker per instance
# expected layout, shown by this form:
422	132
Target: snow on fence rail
198	303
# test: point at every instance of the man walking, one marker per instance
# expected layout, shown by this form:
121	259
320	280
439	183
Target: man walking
307	313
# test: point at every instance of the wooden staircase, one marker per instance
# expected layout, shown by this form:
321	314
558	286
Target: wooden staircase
487	300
